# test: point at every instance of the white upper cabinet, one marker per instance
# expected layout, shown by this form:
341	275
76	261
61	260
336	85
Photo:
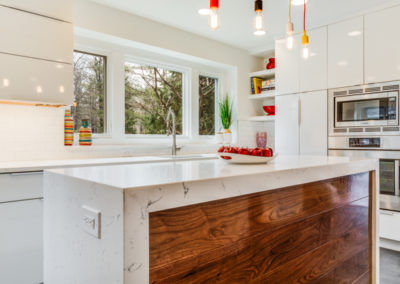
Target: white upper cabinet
287	66
345	53
58	9
35	80
287	124
382	46
313	123
30	35
313	70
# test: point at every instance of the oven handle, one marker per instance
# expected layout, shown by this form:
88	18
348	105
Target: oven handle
396	177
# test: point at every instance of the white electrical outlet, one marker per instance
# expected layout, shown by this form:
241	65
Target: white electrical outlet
91	221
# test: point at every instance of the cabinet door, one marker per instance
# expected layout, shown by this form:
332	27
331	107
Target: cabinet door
287	67
19	186
313	70
382	45
21	245
59	9
313	123
389	225
345	53
27	79
287	124
35	36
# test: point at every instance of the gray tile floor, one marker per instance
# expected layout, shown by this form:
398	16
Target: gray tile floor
389	266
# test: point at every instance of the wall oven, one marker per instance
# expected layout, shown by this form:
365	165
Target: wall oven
363	121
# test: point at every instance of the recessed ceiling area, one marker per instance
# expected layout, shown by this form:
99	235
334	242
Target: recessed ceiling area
236	17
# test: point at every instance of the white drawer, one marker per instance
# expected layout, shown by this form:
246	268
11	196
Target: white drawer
20	186
27	79
35	36
389	225
59	9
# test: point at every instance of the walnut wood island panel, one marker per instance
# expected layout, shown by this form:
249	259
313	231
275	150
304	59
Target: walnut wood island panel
310	233
299	219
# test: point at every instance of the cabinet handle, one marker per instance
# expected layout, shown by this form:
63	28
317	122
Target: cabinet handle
386	213
299	111
27	173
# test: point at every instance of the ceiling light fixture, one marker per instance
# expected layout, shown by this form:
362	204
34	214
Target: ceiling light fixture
214	17
298	2
289	28
258	20
204	12
354	33
304	40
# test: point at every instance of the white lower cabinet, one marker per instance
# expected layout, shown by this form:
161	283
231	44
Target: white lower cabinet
21	233
389	225
301	124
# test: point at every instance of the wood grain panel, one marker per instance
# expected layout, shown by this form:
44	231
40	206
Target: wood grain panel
349	271
254	237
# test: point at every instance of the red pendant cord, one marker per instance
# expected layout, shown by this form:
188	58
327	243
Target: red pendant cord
304	18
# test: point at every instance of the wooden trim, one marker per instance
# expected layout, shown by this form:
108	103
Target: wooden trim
36	104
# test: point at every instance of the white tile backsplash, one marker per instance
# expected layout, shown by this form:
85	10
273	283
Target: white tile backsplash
37	133
248	129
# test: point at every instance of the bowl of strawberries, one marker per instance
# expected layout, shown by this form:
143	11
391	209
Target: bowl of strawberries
244	155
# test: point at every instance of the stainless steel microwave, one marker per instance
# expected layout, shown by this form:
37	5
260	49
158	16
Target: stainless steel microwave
364	106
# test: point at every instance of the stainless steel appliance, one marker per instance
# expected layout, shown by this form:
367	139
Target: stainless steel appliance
363	121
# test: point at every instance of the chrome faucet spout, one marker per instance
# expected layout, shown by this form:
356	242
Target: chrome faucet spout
170	115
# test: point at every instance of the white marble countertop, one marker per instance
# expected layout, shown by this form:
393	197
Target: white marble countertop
30	166
135	176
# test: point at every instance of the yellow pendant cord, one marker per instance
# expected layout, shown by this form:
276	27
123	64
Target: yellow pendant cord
290	10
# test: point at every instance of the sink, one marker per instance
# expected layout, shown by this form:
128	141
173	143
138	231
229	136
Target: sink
194	157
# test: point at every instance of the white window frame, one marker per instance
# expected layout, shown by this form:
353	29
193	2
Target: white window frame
108	101
186	99
117	55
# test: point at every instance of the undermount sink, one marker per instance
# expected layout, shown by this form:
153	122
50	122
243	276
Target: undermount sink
195	157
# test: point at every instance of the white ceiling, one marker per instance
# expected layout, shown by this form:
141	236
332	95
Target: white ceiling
236	17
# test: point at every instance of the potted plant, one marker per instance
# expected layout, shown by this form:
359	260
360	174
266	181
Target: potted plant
225	113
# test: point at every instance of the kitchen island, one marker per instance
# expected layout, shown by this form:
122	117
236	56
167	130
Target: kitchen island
296	220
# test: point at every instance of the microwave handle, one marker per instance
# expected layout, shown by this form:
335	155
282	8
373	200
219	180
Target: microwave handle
396	177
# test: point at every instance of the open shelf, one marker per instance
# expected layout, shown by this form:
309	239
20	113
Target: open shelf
262	118
263	74
263	95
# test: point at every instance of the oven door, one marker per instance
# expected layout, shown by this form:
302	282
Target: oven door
380	109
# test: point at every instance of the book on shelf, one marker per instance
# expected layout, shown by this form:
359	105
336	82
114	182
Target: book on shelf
256	85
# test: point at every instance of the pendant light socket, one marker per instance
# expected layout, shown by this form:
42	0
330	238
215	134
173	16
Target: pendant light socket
258	5
289	28
304	39
214	4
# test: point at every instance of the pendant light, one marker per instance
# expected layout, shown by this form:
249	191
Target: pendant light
259	20
289	28
214	17
304	39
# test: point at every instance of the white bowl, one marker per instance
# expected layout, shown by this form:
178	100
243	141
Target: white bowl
246	159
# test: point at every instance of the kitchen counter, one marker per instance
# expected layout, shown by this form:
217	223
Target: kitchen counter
197	221
154	173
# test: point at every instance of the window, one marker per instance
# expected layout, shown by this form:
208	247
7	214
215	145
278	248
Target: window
89	90
149	93
207	94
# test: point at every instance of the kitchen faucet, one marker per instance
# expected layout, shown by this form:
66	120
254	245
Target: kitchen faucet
169	115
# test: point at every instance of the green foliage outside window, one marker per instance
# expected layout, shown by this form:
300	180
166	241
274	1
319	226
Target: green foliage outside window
89	90
207	94
149	93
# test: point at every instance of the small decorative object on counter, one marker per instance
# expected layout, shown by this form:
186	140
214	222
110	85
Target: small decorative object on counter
271	63
85	134
68	128
225	113
261	139
219	137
